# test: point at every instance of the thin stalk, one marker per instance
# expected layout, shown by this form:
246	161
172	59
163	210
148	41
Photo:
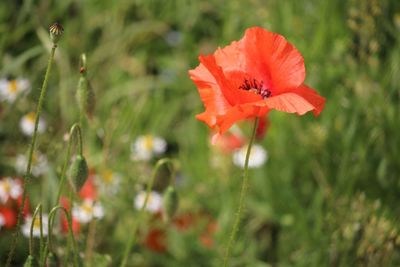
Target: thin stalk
37	210
28	172
132	237
48	245
67	249
243	193
75	128
90	243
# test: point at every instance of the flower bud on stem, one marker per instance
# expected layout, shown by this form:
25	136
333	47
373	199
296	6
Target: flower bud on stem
56	31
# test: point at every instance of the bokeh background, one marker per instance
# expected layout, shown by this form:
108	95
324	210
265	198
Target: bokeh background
328	194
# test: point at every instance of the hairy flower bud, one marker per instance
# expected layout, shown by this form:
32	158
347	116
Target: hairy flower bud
170	203
79	171
56	31
85	95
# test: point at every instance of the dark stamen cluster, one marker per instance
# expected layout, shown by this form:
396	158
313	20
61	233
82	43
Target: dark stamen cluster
256	87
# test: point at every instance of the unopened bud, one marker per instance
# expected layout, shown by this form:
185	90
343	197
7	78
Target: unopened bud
56	31
79	171
170	203
85	95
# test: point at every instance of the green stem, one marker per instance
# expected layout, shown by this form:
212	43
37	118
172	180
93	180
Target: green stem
28	173
48	245
75	128
132	237
37	210
90	241
243	192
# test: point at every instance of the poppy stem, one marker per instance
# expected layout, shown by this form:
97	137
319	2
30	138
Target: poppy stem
243	193
132	236
28	172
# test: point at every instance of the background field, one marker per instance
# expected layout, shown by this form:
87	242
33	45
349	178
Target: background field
329	193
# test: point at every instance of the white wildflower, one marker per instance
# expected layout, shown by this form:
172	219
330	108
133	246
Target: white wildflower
9	188
87	211
258	156
154	202
146	147
27	124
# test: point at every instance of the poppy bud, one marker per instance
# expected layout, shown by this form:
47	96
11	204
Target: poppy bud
30	261
85	95
79	171
170	203
56	31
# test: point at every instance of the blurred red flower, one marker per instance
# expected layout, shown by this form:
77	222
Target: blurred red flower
9	216
231	141
250	77
155	240
27	206
262	128
64	222
88	190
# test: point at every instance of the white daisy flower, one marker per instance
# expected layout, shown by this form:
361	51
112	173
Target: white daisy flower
108	181
27	124
146	147
154	202
9	188
9	90
87	211
26	227
258	156
40	165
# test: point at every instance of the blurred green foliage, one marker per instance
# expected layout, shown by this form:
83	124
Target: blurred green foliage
304	203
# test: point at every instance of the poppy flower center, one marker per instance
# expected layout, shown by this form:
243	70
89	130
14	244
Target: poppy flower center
256	87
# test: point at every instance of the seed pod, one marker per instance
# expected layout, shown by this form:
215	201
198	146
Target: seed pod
170	203
56	31
30	261
85	95
79	171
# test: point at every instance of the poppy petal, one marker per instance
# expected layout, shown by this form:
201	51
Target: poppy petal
288	102
312	97
270	56
224	85
231	57
238	113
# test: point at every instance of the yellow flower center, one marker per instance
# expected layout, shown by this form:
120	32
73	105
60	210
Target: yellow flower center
12	87
31	116
36	223
6	186
88	208
107	176
148	142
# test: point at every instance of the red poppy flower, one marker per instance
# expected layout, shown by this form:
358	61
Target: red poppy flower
155	240
88	190
250	77
64	222
9	217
